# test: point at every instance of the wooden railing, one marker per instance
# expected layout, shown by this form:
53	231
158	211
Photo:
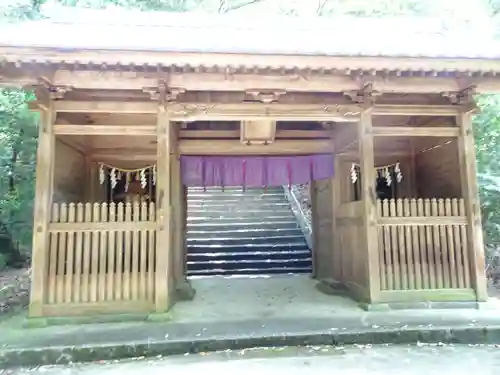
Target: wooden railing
423	244
101	254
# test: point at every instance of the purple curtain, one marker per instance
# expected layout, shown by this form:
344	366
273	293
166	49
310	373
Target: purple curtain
255	171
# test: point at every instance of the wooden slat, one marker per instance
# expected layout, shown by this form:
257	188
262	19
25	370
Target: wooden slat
381	249
135	250
96	213
151	254
87	257
70	271
120	235
127	256
77	281
143	253
62	255
102	254
394	246
51	291
112	253
415	245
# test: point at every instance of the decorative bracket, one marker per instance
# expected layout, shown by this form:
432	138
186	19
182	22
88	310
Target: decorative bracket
163	93
366	96
462	97
54	92
265	96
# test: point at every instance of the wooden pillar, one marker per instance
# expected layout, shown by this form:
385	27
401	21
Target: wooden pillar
178	229
468	171
43	200
163	277
368	197
336	200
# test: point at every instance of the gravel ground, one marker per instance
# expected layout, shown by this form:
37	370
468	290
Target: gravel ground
14	290
388	360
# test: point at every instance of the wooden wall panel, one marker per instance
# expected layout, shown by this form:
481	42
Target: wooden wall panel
322	220
69	174
438	172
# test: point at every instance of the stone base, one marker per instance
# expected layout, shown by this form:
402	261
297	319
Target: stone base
159	317
332	287
418	305
184	291
90	319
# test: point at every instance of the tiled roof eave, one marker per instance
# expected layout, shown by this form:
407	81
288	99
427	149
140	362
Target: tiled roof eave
201	61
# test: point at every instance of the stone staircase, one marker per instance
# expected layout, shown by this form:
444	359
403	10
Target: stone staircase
251	232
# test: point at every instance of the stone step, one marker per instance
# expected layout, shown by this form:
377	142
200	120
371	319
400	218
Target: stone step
244	232
239	219
263	225
248	247
235	199
235	189
252	263
248	256
239	205
236	212
250	271
298	238
225	195
239	233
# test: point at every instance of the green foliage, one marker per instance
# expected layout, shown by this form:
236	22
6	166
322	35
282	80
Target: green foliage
18	139
487	134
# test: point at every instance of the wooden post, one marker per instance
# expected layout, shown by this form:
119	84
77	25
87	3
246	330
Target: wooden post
336	200
177	218
467	156
368	197
163	277
43	201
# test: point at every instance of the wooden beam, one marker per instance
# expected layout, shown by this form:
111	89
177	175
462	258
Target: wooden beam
219	111
258	111
298	134
470	191
417	110
403	131
127	80
150	130
125	155
230	147
213	134
70	106
94	129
